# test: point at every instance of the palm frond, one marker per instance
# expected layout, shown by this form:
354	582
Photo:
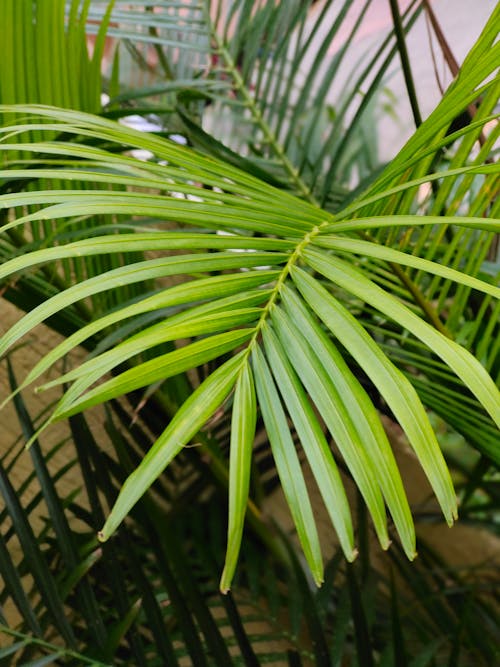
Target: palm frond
252	82
152	590
258	314
241	204
298	261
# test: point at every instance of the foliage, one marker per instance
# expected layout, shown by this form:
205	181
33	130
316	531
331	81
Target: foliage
238	286
121	596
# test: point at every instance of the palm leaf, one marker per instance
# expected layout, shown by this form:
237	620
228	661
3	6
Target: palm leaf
262	582
273	229
254	75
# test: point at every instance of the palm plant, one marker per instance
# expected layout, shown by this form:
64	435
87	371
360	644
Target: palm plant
279	301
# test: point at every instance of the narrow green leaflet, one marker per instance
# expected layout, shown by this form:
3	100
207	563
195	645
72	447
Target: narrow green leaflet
13	648
188	420
287	464
119	628
139	242
243	423
194	166
378	251
326	395
378	222
141	271
196	322
386	194
313	442
392	384
191	291
363	413
127	172
214	216
467	367
149	372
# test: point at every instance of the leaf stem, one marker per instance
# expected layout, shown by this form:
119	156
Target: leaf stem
308	238
257	116
60	652
420	300
405	62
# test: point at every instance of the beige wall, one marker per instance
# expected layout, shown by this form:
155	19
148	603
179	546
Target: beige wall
34	346
23	359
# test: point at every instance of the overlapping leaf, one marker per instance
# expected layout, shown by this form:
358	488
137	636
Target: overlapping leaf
248	235
251	82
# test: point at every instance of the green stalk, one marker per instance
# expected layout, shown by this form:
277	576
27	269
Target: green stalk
405	61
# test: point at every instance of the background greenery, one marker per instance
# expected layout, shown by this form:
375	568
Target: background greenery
247	295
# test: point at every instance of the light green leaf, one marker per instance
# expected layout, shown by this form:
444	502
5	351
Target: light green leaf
363	413
326	395
242	434
195	322
139	242
191	291
195	166
313	442
287	464
392	384
377	251
155	370
133	204
379	222
471	372
141	271
188	420
407	185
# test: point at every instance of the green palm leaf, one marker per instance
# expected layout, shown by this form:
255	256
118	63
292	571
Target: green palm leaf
305	223
188	420
288	464
246	234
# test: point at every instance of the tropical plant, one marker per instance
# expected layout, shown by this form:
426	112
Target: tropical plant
240	285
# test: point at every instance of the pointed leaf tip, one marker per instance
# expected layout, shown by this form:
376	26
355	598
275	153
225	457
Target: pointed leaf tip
351	555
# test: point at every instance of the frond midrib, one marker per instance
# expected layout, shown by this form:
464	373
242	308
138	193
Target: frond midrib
285	272
297	182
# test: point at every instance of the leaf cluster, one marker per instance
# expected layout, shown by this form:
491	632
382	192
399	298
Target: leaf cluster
235	290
